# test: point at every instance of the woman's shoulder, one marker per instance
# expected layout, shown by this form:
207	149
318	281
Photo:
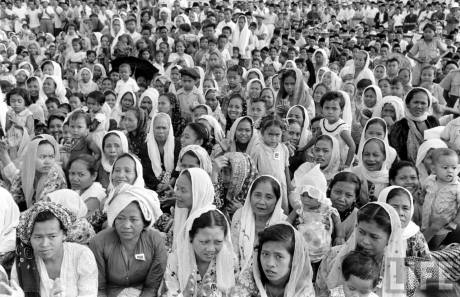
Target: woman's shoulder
105	237
77	250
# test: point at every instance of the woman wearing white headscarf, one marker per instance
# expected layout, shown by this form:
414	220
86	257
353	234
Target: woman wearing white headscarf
126	169
89	86
388	249
56	68
130	255
390	108
424	156
234	141
259	211
332	81
256	280
54	87
117	28
217	130
9	220
321	59
304	122
359	69
114	143
152	95
197	152
241	37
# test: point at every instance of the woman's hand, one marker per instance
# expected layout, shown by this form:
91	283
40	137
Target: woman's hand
190	288
57	290
221	162
225	144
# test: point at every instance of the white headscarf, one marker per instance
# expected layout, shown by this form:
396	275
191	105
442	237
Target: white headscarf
308	175
57	68
203	197
252	142
219	134
247	233
305	134
427	112
378	96
397	104
124	148
334	163
393	259
139	181
411	229
147	200
60	90
347	114
300	278
153	95
336	81
423	150
9	220
200	153
116	36
240	38
253	70
186	256
325	58
70	200
153	151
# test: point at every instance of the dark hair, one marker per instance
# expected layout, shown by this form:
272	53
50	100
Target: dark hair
347	177
272	120
78	95
53	117
236	68
316	119
66	106
373	212
98	96
393	59
47	215
88	160
21	92
378	121
410	95
442	152
275	233
126	155
429	26
212	218
396	166
332	96
362	266
80	114
191	154
395	80
396	192
201	132
363	83
267	179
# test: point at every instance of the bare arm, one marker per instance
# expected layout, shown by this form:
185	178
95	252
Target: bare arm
346	136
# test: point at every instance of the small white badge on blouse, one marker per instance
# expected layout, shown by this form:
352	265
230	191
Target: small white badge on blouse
140	257
277	155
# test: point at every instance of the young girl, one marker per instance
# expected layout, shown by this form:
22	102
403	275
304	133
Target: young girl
371	96
82	178
318	91
385	86
380	72
317	221
211	100
114	143
19	115
405	75
294	91
254	88
82	142
268	95
236	108
391	109
372	169
75	101
300	113
272	157
86	84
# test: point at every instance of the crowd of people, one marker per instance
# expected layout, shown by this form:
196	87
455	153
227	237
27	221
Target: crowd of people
229	148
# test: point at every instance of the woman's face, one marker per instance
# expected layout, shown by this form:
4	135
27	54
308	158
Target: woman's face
267	96
127	101
323	152
419	104
389	111
289	85
111	100
146	104
199	111
116	26
235	108
207	243
327	79
319	92
80	177
163	104
180	48
48	69
129	223
85	76
183	192
243	132
428	34
297	113
97	72
112	147
379	72
360	60
407	178
263	199
213	61
373	157
189	137
293	134
254	90
33	87
405	77
49	87
319	59
129	121
343	195
371	238
160	129
47	239
189	161
276	262
374	131
241	22
402	205
276	84
370	98
124	171
45	158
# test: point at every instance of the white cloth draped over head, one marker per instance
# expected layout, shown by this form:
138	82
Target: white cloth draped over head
96	190
114	35
300	278
139	181
219	133
28	169
225	259
289	64
410	95
168	150
254	80
364	73
9	220
25	63
202	195
103	71
153	95
325	58
253	70
200	153
70	200
56	68
125	90
26	72
124	148
247	234
393	258
305	134
391	157
411	229
334	163
378	96
41	95
347	114
307	175
240	38
126	194
313	192
252	142
60	90
336	81
384	69
423	150
397	104
202	75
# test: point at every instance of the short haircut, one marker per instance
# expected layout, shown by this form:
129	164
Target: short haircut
393	59
20	92
442	152
362	266
98	96
363	83
51	100
236	68
124	65
333	96
396	80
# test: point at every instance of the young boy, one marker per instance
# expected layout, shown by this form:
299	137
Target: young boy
126	82
52	104
258	111
397	88
189	95
440	213
385	87
234	80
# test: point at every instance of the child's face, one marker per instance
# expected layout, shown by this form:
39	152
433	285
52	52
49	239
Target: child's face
309	202
127	101
289	85
357	287
199	111
175	75
373	156
76	46
85	76
272	136
397	90
388	110
254	90
48	69
374	131
379	72
332	110
125	72
444	168
21	77
17	103
427	76
115	76
188	82
146	104
80	177
385	87
52	107
55	128
93	105
207	84
211	100
91	58
219	74
74	102
319	92
78	128
322	152
327	78
258	110
235	108
370	98
405	77
234	79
